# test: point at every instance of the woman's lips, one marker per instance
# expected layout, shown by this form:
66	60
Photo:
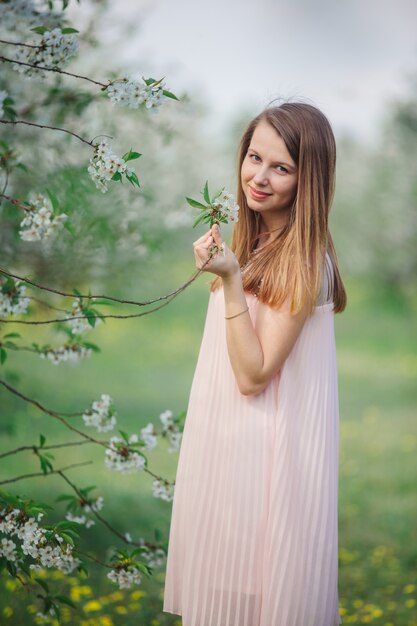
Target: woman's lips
258	195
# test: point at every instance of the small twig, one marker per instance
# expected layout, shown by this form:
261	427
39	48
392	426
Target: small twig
57	70
63	130
35	474
51	413
104	297
92	558
59	417
18	43
13	201
49	447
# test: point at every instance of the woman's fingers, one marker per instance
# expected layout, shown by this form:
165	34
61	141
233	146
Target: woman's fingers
203	238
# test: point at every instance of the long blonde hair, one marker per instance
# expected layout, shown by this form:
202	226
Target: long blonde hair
292	263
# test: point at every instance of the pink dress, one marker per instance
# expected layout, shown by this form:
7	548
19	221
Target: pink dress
254	529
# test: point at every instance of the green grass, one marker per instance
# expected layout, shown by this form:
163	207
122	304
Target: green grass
147	365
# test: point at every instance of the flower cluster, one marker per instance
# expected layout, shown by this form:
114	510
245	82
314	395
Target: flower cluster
133	93
56	48
162	489
155	557
101	415
68	352
23	14
88	506
78	325
105	166
12	297
149	436
222	207
225	205
121	458
125	577
46	547
39	222
171	430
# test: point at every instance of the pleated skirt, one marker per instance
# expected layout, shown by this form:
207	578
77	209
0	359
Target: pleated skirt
253	537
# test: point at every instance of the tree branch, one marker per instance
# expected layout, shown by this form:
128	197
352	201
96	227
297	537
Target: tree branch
57	70
35	474
104	297
63	130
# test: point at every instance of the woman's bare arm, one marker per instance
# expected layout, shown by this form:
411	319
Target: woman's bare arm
256	353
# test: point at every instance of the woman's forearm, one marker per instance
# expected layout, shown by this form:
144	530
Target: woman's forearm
244	348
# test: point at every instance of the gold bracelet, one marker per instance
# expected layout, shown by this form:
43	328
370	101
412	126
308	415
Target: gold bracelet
241	313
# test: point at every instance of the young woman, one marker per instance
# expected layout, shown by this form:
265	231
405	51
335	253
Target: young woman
254	528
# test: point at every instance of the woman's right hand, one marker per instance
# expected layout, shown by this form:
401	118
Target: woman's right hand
223	262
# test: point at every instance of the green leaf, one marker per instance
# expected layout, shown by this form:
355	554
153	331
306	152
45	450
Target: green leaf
3	356
129	156
39	29
54	200
104	302
206	193
199	219
42	440
216	195
12	335
66	600
169	94
46	465
117	176
67	538
195	204
93	346
124	435
68	31
133	179
70	228
62	498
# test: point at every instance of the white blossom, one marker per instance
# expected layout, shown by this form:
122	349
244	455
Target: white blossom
20	15
39	222
8	549
175	438
97	505
53	50
12	298
125	577
101	415
121	458
131	92
71	353
226	204
47	553
170	429
105	164
161	490
154	558
167	418
80	519
149	436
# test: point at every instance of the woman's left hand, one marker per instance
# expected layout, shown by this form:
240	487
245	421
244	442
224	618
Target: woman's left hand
223	262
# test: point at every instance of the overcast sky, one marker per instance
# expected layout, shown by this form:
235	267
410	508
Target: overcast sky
349	58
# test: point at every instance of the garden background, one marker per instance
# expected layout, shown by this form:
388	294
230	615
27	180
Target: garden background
137	244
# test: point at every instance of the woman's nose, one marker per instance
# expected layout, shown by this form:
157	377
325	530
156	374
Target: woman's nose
261	176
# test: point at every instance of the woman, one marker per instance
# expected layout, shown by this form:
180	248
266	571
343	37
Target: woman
254	529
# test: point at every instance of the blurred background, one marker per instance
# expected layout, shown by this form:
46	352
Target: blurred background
358	63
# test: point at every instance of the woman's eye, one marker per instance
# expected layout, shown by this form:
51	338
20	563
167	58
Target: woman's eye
283	168
255	156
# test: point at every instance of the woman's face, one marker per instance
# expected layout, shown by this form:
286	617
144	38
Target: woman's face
269	170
